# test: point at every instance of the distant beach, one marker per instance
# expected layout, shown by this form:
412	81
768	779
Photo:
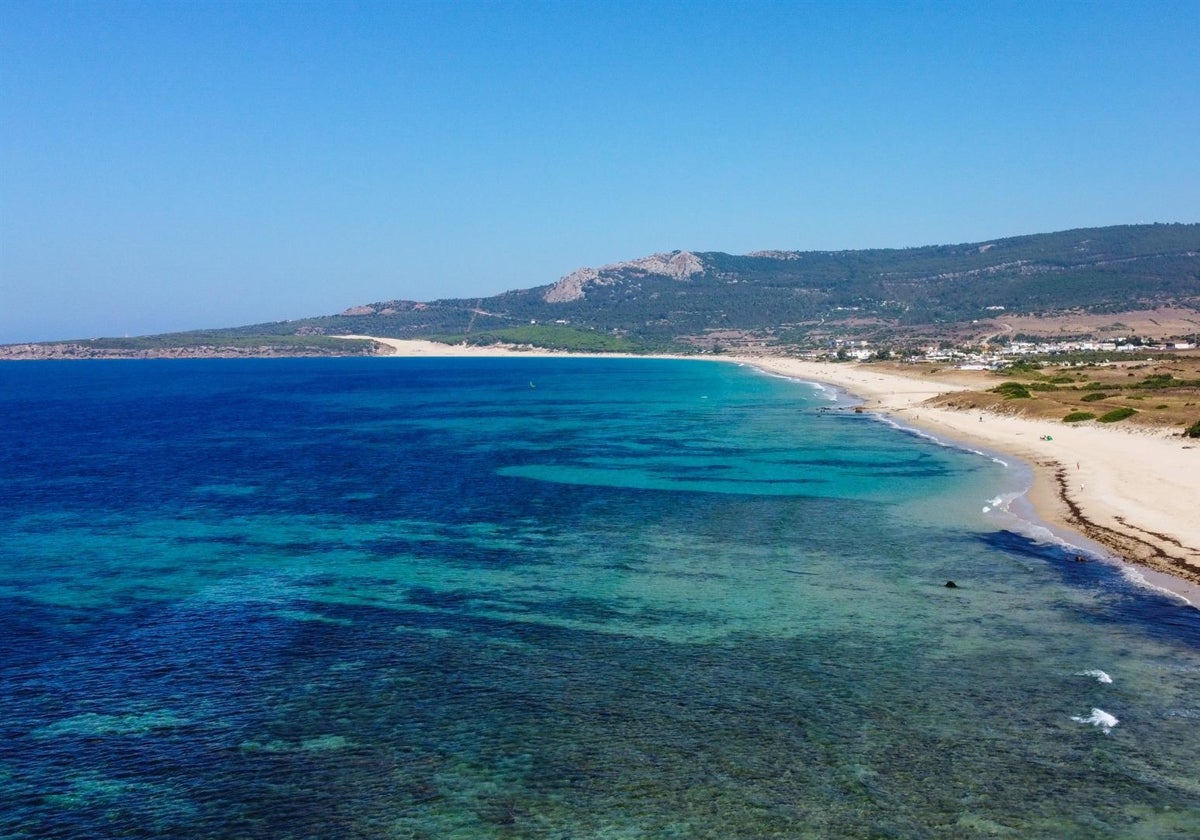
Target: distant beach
1133	491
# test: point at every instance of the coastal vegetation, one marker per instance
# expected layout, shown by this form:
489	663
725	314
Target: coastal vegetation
1101	392
1013	391
552	337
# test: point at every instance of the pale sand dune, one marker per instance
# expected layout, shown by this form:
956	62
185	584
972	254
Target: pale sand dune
1135	491
419	347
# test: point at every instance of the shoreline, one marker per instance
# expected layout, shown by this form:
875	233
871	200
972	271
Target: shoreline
1131	491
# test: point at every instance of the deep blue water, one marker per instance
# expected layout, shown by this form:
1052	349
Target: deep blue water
551	598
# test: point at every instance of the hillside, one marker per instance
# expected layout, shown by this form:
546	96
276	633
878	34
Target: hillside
699	300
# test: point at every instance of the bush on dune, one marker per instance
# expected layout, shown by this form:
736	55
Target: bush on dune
1012	391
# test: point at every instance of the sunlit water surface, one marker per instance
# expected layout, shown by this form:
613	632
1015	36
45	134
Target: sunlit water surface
552	598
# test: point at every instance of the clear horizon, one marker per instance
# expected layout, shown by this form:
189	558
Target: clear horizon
171	167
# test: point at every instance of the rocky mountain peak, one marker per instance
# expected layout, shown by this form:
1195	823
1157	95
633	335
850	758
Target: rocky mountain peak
679	265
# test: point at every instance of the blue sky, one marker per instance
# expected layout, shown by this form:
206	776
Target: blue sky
177	165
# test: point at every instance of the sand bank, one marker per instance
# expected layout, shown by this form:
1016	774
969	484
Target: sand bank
1135	491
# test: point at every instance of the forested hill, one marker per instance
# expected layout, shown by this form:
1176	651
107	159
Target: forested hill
788	295
684	298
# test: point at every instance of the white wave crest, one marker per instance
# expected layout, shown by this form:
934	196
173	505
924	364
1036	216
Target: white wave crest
1097	673
1100	718
1002	503
1137	578
933	438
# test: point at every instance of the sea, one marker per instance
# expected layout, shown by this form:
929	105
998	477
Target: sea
554	598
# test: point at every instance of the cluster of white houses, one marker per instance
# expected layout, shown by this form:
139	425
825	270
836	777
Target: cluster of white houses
1026	348
983	358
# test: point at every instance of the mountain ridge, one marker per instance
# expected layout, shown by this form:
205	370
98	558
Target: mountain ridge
677	297
695	300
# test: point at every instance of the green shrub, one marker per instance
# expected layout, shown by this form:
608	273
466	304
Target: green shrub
1012	391
1193	431
1161	407
1158	380
1042	386
1095	386
1078	416
1092	397
550	336
1117	414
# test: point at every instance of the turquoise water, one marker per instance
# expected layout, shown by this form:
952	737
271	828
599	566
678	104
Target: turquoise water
551	598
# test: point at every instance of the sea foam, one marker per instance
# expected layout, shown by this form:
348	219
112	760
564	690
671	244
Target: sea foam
1099	718
1137	578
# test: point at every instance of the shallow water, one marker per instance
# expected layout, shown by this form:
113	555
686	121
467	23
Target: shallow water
551	598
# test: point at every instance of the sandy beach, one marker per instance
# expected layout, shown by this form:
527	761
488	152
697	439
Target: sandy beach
1134	491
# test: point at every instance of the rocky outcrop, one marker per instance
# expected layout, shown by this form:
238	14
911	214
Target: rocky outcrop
390	307
777	255
679	265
